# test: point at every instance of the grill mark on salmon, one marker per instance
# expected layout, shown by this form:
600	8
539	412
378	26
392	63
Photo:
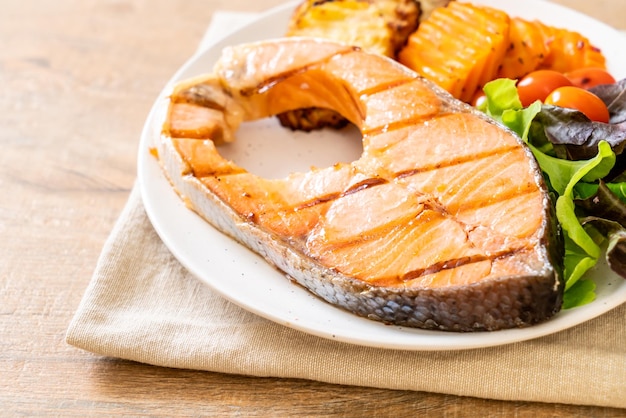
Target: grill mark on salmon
455	263
450	163
364	184
511	194
390	127
446	264
384	86
200	95
371	182
443	207
317	201
270	82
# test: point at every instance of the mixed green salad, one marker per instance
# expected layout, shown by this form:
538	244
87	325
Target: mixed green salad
584	165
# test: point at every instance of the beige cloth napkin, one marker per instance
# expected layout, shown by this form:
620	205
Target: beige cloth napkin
142	305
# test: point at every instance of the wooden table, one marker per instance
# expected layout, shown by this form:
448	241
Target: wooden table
77	78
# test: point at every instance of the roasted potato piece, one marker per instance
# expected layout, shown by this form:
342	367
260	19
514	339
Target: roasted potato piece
380	26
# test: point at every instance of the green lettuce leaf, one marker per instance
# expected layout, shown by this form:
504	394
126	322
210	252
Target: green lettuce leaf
582	244
583	292
501	96
565	174
503	105
582	252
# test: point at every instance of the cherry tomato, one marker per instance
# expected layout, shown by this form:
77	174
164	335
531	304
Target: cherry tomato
580	99
479	98
589	77
538	84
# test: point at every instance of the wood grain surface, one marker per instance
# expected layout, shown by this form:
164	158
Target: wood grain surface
77	79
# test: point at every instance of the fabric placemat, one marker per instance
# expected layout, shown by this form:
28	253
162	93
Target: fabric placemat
142	305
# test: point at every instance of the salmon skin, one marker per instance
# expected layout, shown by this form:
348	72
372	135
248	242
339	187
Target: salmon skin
444	222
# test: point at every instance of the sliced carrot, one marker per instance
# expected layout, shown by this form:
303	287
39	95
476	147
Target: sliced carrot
461	47
526	51
547	48
570	50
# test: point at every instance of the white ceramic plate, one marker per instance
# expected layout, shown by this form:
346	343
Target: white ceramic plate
268	150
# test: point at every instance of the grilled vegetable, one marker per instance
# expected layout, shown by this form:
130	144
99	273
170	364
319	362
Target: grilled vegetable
378	26
526	51
570	50
463	46
534	45
459	47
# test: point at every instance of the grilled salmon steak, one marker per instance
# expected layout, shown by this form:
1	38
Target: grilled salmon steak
442	223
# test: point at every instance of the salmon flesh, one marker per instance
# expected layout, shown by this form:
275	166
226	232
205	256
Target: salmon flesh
444	222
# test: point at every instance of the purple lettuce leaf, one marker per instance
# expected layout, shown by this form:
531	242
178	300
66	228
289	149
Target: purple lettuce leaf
604	203
614	96
574	136
607	213
616	249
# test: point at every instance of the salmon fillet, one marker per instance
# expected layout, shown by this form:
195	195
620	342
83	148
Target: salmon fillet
442	223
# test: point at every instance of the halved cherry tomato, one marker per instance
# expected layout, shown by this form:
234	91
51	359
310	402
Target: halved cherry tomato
538	84
580	99
589	77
